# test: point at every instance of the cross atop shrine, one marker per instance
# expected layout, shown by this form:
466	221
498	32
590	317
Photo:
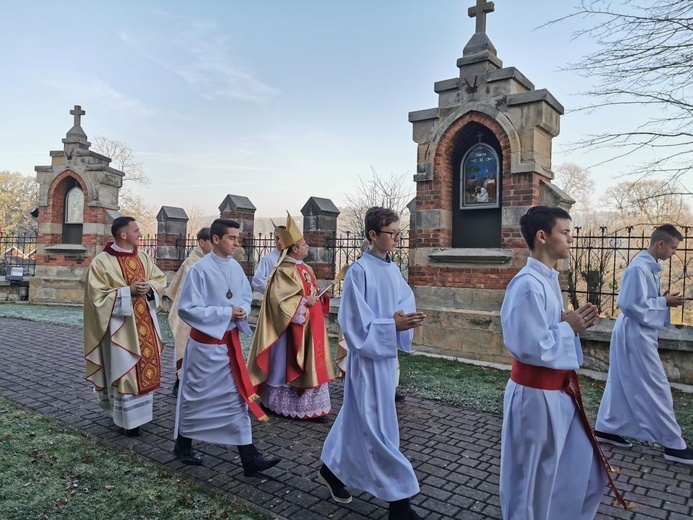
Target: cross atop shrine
78	113
479	12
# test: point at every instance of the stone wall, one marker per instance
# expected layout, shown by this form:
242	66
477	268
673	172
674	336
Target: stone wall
675	350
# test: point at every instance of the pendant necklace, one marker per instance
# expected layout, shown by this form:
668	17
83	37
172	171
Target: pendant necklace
229	293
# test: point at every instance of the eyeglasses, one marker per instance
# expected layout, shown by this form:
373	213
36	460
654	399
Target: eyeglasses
393	234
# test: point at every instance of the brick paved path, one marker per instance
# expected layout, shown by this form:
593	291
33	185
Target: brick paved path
455	452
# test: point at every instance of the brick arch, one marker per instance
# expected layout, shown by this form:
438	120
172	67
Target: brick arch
443	167
56	197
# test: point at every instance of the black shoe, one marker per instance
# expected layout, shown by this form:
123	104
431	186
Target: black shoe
321	419
613	439
258	464
684	456
401	510
399	397
132	432
184	452
174	390
337	489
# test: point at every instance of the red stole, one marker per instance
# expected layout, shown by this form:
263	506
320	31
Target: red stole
296	335
148	368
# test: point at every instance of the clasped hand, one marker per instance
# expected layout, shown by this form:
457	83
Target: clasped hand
238	314
582	318
139	288
404	321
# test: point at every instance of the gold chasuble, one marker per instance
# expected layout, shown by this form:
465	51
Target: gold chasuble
136	370
308	358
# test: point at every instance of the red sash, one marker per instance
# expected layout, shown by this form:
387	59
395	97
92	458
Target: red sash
544	378
238	368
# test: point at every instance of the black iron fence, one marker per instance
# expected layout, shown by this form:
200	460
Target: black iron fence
18	250
342	249
598	259
346	248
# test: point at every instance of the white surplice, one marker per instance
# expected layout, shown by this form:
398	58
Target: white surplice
549	470
264	269
362	448
210	407
637	401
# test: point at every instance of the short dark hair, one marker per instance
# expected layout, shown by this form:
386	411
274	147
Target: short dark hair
377	218
119	223
203	234
221	226
540	218
666	232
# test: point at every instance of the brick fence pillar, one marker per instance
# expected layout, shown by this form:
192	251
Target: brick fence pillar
319	228
172	225
240	209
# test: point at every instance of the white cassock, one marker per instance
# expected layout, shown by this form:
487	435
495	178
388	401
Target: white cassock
264	269
362	448
637	401
210	408
549	470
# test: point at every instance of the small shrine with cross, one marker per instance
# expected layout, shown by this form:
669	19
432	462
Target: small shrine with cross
483	158
78	200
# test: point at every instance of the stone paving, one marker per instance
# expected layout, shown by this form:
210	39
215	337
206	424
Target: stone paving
454	451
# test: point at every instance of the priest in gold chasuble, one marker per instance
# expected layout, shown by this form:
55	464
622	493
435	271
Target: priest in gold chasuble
290	360
122	341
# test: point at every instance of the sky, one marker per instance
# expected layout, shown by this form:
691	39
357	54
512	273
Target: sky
276	100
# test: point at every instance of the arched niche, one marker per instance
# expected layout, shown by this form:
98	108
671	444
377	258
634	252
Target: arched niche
477	177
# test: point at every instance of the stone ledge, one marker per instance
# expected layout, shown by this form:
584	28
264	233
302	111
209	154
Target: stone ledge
674	337
472	256
67	249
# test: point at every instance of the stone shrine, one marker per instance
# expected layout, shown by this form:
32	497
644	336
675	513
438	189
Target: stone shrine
78	200
483	158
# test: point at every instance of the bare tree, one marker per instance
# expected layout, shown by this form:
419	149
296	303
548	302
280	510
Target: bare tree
18	196
197	219
644	59
124	159
577	182
394	192
647	203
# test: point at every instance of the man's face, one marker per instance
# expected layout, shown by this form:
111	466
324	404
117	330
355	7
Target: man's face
667	248
301	249
557	244
278	242
130	235
387	239
227	244
205	245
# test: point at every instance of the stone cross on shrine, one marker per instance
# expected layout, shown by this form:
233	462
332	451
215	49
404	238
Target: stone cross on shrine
479	12
78	113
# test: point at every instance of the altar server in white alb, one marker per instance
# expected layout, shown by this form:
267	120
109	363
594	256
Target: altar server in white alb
549	467
267	263
215	391
377	315
637	401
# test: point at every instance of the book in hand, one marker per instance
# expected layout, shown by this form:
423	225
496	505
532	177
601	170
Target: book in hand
323	291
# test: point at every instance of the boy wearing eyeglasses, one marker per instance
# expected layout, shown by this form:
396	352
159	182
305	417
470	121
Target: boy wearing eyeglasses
377	315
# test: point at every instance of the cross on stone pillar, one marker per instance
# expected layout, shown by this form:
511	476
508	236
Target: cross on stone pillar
78	113
479	12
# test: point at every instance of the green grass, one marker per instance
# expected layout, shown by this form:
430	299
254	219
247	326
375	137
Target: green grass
47	471
481	389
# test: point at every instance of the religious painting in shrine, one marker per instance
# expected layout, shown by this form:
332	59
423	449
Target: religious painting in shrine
479	178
